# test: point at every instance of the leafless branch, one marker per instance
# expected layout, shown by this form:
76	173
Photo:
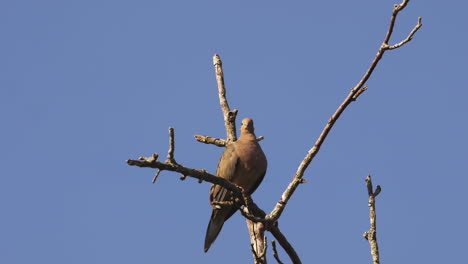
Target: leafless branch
211	140
250	211
170	152
409	38
156	176
258	241
216	141
363	89
185	171
229	116
371	235
358	89
154	157
255	216
275	231
275	252
256	228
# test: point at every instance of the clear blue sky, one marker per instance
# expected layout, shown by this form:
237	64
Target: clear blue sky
86	85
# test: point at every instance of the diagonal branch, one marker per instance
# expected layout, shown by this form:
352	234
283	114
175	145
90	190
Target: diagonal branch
274	230
409	38
275	252
371	235
358	89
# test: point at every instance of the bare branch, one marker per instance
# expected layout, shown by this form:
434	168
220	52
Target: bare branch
363	89
371	235
358	89
258	241
229	116
274	230
153	158
254	214
170	152
185	171
256	228
251	211
410	36
211	140
156	176
216	141
275	252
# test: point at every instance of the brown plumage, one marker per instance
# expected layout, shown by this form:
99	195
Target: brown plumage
243	163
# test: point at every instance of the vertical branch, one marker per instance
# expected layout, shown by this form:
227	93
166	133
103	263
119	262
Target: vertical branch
229	116
170	152
256	229
257	240
371	235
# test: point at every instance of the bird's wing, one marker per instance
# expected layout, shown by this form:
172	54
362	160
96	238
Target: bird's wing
227	167
242	163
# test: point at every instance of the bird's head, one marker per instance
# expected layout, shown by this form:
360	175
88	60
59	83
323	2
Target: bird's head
247	126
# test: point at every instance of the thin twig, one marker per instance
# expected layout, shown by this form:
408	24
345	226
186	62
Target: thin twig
288	248
409	38
253	216
216	141
358	89
170	152
229	116
211	140
363	89
371	235
275	252
156	176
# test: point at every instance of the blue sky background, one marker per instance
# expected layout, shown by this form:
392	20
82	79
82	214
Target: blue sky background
86	85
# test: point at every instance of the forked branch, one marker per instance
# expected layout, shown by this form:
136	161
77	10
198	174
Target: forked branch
371	235
357	90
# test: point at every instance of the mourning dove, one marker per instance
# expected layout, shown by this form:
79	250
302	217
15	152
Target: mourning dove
242	163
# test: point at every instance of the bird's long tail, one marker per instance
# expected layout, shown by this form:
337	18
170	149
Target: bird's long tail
214	227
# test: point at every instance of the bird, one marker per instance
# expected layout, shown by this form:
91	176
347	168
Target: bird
242	163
